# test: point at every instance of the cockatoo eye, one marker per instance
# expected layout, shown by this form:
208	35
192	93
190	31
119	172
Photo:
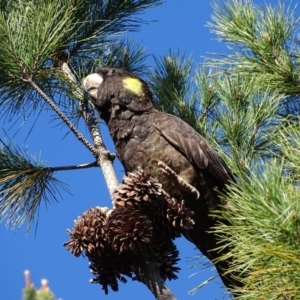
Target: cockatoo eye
111	72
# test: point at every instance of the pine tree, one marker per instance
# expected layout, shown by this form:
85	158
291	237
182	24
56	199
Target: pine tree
47	48
246	105
256	123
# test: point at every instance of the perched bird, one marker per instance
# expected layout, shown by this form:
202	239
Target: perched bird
183	161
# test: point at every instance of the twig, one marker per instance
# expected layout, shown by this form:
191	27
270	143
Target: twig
79	136
73	167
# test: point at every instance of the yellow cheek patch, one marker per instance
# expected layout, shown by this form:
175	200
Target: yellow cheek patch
134	85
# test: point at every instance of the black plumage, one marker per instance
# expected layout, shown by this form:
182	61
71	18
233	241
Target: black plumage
147	138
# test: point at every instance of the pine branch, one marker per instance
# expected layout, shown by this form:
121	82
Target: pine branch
171	84
104	157
264	233
79	136
73	167
263	41
23	184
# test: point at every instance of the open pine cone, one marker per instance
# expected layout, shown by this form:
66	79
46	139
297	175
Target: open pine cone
179	216
139	190
166	256
109	268
129	230
144	193
89	232
144	221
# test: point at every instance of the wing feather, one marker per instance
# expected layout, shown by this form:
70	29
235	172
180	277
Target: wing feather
192	145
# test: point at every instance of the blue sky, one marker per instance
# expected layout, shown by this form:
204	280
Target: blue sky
180	26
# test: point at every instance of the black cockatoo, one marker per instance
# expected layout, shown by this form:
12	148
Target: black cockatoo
183	161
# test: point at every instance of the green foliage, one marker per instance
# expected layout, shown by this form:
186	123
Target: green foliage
119	53
246	118
288	142
36	35
31	293
171	84
105	19
256	124
264	214
23	183
31	33
47	47
263	40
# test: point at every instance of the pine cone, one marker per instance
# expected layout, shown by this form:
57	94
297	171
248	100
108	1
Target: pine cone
145	219
166	256
139	190
179	216
129	230
89	232
142	192
163	229
173	218
109	268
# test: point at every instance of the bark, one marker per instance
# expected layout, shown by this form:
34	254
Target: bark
146	271
104	157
